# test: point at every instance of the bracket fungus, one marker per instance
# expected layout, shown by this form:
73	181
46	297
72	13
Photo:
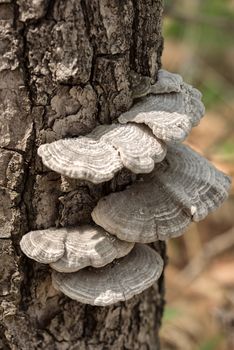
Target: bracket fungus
137	146
102	153
81	158
44	246
167	82
185	187
118	281
178	186
71	249
170	116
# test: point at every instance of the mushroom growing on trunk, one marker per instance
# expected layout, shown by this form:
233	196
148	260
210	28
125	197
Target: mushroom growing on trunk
184	187
118	281
167	82
71	249
179	186
102	153
171	116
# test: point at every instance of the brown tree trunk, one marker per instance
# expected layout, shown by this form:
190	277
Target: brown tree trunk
64	67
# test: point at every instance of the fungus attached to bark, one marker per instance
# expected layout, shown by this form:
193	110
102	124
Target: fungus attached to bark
171	116
137	146
195	108
184	187
81	158
120	280
167	82
99	155
44	246
71	249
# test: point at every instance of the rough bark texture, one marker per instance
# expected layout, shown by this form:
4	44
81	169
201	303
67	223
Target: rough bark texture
64	68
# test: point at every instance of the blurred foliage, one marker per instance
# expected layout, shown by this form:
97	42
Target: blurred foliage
218	8
212	344
210	24
170	314
226	150
207	28
212	92
199	45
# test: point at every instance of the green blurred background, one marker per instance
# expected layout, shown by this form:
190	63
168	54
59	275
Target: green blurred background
199	45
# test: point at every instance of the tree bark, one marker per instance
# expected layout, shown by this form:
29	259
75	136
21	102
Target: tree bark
64	67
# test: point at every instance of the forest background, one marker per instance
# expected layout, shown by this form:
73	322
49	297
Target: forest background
199	45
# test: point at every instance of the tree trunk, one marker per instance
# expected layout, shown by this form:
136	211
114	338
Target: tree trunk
64	67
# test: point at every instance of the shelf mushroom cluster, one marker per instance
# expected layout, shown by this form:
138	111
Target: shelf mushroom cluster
109	261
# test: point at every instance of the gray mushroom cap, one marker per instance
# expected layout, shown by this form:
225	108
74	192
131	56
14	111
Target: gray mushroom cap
194	106
115	282
184	187
71	249
167	82
170	116
102	153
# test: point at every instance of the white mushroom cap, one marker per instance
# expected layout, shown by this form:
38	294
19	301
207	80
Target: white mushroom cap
99	155
115	282
71	249
81	158
44	246
137	146
185	187
170	116
90	246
